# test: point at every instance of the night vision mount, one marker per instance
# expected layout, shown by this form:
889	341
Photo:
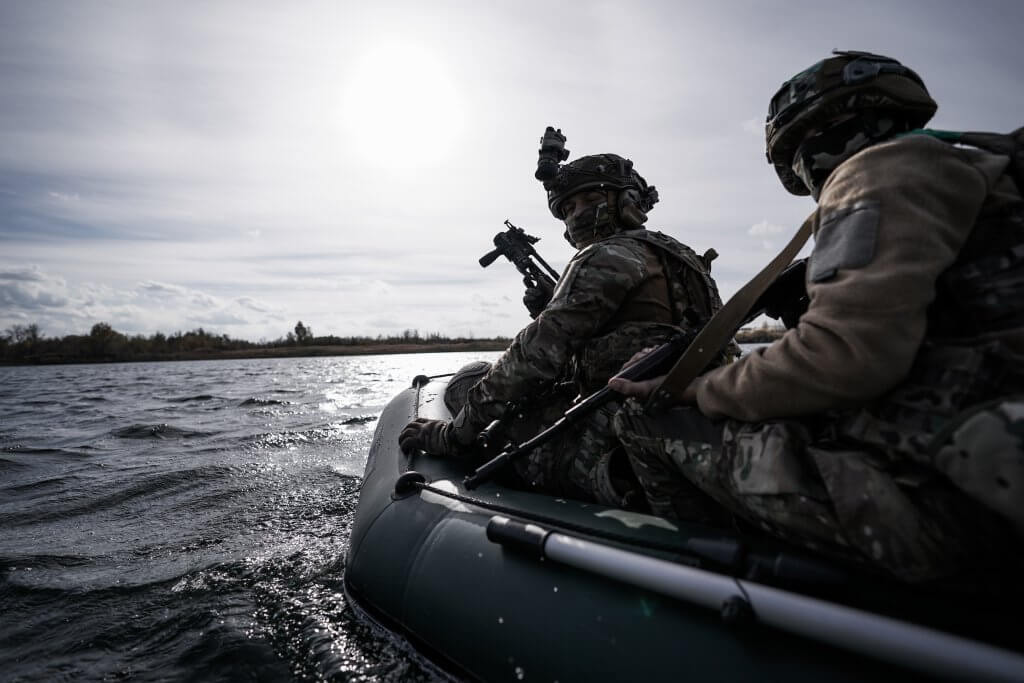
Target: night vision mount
551	153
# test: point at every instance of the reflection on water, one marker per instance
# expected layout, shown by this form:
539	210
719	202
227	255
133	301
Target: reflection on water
188	521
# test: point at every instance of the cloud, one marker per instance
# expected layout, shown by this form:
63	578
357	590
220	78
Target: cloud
32	294
23	273
162	289
27	289
764	228
166	164
253	304
754	126
765	232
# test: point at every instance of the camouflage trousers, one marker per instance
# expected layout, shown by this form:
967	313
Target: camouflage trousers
584	462
789	479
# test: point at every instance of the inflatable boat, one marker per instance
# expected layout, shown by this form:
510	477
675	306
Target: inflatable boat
500	584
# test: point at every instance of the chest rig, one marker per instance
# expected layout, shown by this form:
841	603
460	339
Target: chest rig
688	293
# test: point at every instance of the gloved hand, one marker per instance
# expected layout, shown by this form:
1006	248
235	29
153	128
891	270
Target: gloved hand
537	297
438	437
432	436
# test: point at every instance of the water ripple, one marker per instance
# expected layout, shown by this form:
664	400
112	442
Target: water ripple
157	431
152	530
262	402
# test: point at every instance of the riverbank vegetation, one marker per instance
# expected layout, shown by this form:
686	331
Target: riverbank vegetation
25	344
765	334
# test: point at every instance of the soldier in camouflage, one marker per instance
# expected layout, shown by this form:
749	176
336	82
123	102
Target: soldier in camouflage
624	286
888	425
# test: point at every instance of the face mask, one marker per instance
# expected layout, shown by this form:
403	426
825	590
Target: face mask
821	153
587	227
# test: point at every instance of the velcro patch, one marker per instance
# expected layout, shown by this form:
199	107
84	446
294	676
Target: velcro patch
846	239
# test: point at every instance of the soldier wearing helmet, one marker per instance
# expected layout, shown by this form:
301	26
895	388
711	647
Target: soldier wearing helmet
886	425
624	287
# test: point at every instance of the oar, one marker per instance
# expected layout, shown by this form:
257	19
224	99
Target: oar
915	647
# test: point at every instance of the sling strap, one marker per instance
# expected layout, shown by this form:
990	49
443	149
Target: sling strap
723	325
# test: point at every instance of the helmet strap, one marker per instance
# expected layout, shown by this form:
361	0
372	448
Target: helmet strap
611	198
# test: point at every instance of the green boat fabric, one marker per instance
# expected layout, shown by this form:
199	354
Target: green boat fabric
420	563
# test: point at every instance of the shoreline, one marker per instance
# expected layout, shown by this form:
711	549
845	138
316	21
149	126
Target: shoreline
744	336
280	352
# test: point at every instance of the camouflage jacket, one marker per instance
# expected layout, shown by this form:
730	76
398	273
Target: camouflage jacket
890	221
906	371
616	296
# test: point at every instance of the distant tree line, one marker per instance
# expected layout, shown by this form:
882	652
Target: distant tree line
760	335
26	344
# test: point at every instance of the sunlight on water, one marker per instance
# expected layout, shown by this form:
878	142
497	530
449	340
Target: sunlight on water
184	521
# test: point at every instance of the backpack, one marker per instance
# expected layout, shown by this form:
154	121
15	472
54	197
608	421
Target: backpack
1007	144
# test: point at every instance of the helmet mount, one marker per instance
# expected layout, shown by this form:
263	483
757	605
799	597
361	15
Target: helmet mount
630	197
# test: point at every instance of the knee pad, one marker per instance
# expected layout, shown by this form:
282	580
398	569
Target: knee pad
456	394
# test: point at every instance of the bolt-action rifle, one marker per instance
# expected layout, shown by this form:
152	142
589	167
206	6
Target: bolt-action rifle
786	297
515	245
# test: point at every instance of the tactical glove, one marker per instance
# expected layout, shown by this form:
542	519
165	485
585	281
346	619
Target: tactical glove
438	437
537	297
425	435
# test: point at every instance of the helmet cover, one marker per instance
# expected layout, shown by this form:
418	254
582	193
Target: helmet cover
602	172
834	91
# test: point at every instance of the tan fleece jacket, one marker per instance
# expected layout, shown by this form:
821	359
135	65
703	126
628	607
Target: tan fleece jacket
865	324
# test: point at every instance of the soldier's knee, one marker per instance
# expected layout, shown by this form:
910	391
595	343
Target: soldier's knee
456	394
984	457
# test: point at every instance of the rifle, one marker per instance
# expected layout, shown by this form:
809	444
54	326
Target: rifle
655	363
786	297
515	245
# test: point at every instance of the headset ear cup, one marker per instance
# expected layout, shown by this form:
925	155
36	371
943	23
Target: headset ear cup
629	209
627	197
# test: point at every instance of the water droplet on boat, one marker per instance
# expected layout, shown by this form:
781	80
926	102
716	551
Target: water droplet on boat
501	620
520	673
556	589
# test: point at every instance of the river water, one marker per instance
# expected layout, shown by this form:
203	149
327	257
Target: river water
189	520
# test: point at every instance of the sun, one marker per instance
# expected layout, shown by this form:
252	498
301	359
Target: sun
401	107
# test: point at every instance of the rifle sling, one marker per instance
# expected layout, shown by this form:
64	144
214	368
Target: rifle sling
723	325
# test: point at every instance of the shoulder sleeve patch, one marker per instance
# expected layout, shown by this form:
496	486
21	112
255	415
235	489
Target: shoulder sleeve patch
846	239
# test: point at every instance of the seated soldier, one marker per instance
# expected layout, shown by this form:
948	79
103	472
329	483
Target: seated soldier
887	425
624	286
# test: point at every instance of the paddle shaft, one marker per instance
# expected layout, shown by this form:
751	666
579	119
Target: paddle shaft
898	642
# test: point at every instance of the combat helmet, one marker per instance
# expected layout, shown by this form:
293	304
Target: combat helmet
603	172
847	86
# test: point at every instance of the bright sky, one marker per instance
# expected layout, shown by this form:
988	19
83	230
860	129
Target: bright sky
243	165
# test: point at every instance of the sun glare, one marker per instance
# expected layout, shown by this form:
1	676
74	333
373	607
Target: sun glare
401	108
